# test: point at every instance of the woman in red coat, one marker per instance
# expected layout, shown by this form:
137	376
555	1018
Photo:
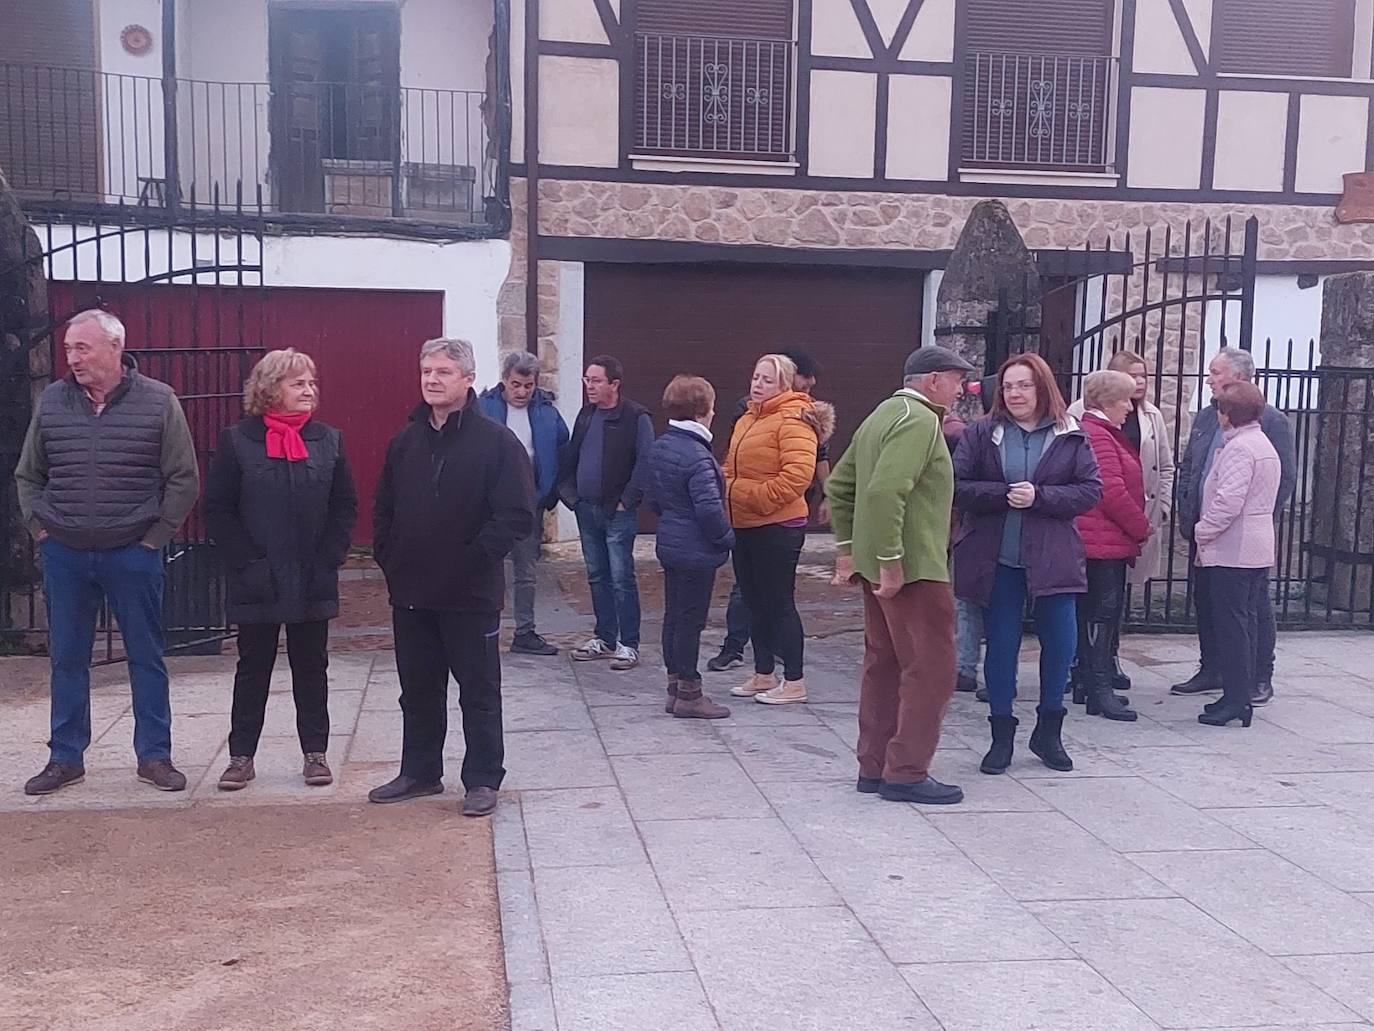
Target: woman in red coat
1113	534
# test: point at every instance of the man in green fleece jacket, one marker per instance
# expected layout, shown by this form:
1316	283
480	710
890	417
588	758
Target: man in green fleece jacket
890	500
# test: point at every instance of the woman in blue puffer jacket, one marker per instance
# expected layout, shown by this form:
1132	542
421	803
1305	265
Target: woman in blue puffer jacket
684	489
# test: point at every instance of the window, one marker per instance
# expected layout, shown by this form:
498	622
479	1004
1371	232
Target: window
1039	84
1285	37
714	78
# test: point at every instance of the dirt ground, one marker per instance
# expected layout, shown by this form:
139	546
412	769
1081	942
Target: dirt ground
350	916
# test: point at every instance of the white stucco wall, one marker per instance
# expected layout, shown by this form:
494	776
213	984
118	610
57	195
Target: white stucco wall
932	34
1250	140
918	115
1331	141
835	30
579	111
1283	312
1159	44
1166	138
843	114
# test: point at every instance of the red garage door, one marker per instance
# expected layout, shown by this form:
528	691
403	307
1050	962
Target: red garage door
203	341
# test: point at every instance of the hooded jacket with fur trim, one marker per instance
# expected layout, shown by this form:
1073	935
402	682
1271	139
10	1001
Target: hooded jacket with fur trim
772	459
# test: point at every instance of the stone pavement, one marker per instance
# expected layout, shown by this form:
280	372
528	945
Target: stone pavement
667	874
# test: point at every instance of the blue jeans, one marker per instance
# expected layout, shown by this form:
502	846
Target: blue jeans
970	637
130	578
608	548
736	622
1056	624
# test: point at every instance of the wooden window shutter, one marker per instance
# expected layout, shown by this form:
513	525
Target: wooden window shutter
760	19
1285	37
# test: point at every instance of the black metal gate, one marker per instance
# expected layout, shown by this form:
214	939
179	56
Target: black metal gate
1176	297
188	285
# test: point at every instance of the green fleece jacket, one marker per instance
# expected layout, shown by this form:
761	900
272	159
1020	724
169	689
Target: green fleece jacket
891	493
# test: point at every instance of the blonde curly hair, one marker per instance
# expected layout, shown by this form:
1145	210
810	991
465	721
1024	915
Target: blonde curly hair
262	390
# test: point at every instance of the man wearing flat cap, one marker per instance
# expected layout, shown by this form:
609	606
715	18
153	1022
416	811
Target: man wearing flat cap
890	498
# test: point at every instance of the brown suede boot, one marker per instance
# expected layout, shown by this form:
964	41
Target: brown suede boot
691	704
672	695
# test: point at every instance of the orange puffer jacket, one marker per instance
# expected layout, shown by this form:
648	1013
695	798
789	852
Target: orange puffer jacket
772	459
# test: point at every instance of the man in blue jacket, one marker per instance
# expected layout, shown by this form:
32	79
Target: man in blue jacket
528	412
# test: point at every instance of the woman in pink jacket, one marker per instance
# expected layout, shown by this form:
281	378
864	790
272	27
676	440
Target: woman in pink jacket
1235	544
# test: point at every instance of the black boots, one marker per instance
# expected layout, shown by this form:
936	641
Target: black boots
1201	682
1045	740
1003	742
1227	712
1098	672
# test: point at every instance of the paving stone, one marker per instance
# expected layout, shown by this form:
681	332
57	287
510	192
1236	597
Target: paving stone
1269	747
1096	732
1130	815
1043	856
532	708
1348	979
1351	792
377	737
790	753
803	969
624	1002
508	836
579	827
1206	780
606	920
1336	846
1318	720
732	864
531	1008
1183	968
526	961
556	759
648	730
278	776
918	907
1300	914
687	787
831	819
982	793
1066	995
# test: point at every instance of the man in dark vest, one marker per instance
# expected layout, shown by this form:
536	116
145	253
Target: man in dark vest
108	473
455	494
601	480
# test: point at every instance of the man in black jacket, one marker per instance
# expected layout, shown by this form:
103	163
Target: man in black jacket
455	495
601	479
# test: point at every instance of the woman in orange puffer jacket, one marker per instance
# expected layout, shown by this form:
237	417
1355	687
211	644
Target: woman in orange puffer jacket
768	468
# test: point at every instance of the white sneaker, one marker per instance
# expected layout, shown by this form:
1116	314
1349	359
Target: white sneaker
595	648
625	658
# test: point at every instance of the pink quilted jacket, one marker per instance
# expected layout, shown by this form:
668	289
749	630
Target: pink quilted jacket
1237	524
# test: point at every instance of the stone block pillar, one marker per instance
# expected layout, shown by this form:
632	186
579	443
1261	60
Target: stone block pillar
1342	538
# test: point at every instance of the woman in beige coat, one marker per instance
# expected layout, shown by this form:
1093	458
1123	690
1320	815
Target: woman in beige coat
1149	435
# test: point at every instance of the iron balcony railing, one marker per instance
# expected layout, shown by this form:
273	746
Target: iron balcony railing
725	97
1050	111
328	148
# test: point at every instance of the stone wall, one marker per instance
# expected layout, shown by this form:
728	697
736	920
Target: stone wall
510	302
816	219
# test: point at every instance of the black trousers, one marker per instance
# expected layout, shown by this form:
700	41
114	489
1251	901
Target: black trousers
429	646
307	649
686	603
1211	652
766	569
1237	601
1099	621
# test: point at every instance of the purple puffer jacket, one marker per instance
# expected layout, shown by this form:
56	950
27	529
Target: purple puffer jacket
1067	484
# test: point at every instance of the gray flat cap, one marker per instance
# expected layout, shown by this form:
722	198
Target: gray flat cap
934	359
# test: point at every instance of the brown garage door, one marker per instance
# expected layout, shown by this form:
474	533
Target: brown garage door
715	320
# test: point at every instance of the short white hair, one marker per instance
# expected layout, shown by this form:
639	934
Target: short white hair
457	351
520	362
109	324
1241	361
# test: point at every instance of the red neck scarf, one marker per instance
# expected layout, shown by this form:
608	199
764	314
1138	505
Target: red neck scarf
284	435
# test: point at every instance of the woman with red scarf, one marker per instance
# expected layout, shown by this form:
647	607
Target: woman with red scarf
280	506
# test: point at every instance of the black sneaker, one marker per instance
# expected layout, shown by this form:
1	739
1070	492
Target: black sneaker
480	802
868	785
161	774
531	644
966	684
726	660
55	777
404	788
1263	693
928	792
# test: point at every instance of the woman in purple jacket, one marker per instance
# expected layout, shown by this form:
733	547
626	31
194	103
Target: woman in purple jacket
684	489
1022	475
1235	545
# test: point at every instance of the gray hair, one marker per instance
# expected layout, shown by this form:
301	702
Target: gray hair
1241	361
1105	387
457	351
521	363
109	324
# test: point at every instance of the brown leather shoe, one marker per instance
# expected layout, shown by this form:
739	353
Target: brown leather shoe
237	774
161	774
672	695
316	770
691	704
480	802
54	777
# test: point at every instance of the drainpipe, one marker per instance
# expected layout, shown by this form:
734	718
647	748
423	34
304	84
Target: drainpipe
532	176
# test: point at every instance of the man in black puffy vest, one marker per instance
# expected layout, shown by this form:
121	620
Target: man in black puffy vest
455	495
107	475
